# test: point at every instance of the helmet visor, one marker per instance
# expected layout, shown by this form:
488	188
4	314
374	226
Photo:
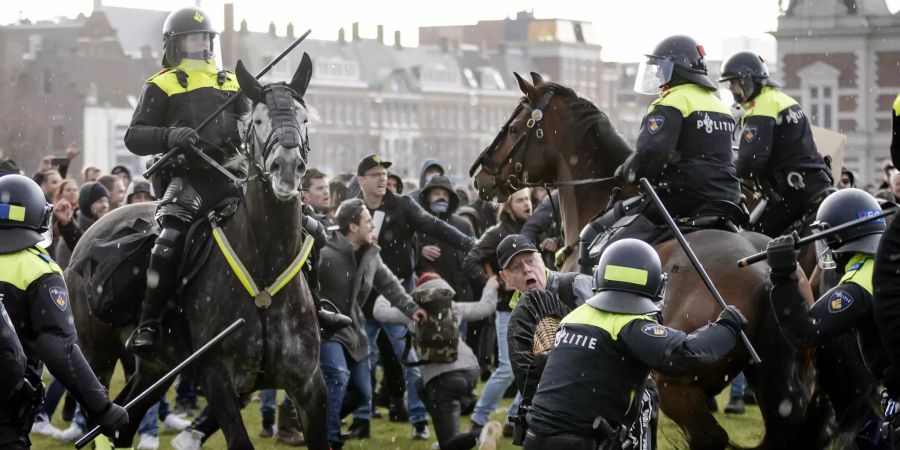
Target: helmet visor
653	74
199	46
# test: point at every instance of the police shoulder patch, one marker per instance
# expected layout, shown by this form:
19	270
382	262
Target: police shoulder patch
750	132
655	123
839	301
655	330
59	296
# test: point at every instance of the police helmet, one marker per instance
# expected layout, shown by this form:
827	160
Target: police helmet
844	206
676	60
183	22
24	213
629	279
752	73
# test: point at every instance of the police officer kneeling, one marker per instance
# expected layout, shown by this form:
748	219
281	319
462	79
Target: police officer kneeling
35	296
605	349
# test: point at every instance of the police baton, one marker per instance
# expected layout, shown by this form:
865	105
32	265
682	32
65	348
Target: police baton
172	151
754	358
86	439
761	256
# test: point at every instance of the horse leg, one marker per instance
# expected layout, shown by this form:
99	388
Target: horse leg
687	407
310	402
224	403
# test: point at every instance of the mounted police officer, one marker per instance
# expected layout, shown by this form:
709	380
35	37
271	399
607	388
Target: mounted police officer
776	149
174	101
684	146
36	322
604	351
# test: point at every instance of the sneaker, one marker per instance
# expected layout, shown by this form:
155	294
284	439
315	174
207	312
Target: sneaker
174	423
491	432
475	427
420	431
71	434
290	437
188	440
43	427
266	431
359	429
148	442
735	406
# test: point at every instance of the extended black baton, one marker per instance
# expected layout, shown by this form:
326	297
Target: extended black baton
171	152
167	377
754	358
761	256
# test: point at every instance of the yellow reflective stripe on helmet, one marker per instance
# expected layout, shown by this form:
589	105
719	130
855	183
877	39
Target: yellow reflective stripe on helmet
897	105
690	98
612	323
769	103
12	212
295	266
625	274
236	265
859	271
22	268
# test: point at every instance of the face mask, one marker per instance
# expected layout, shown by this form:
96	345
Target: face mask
440	206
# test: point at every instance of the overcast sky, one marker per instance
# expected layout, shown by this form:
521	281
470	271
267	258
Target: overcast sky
626	29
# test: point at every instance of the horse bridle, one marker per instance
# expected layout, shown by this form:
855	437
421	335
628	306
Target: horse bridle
279	99
517	181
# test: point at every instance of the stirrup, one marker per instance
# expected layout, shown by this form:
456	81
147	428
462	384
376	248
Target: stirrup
145	346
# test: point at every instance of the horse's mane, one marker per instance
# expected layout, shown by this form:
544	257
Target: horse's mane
588	119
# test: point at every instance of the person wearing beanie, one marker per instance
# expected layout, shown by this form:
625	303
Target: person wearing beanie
93	203
448	387
139	191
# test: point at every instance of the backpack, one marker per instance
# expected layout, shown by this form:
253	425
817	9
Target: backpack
436	338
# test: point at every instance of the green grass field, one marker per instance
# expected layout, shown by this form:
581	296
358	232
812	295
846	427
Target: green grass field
745	430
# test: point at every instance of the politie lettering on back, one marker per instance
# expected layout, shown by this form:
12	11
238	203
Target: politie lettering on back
575	339
714	125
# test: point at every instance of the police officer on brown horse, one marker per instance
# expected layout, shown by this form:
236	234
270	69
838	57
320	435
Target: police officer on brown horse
174	101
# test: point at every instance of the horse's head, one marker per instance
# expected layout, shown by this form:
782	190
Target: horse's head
545	134
276	128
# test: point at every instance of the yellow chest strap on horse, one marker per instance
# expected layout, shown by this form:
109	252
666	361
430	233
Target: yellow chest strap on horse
262	298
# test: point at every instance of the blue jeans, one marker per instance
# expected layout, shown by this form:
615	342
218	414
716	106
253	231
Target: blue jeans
267	400
738	386
54	394
340	373
149	424
500	379
185	392
397	336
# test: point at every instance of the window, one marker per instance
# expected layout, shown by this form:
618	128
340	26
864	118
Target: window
819	83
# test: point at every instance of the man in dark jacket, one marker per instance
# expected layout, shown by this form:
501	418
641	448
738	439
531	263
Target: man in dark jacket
396	220
439	198
542	228
350	255
430	169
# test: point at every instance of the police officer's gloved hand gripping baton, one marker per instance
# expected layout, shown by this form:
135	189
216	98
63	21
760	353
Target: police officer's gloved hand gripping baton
167	377
172	151
648	188
753	259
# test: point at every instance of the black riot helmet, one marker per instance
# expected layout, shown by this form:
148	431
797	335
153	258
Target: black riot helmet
844	206
675	60
24	213
184	24
752	73
629	279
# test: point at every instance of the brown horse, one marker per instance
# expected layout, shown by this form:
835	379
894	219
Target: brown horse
555	138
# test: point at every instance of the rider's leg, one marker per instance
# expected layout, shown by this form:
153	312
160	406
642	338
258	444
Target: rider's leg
161	284
599	225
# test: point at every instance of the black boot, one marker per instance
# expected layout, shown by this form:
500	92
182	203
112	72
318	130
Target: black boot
268	424
164	265
359	429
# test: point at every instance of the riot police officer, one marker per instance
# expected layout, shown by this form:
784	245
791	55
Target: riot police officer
173	102
38	327
776	147
846	307
604	351
684	146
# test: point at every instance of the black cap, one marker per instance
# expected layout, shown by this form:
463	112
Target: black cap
369	162
9	167
511	246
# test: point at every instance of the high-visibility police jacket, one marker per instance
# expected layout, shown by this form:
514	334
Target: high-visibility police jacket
37	301
685	140
895	127
775	138
183	96
846	307
601	360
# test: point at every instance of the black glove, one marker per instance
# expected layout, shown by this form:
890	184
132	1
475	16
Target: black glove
781	255
112	419
625	172
181	137
732	317
892	381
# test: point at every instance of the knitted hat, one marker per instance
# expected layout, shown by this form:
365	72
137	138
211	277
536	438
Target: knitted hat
90	192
